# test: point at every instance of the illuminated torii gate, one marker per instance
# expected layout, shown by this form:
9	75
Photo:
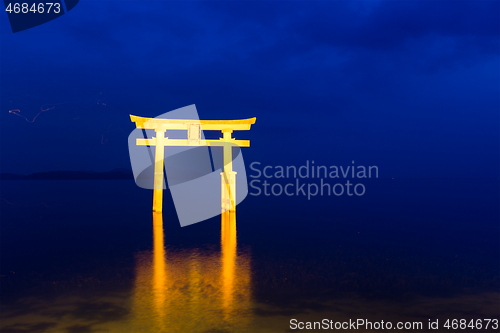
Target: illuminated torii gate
194	128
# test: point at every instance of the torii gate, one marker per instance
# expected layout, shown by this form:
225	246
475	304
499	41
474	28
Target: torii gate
194	128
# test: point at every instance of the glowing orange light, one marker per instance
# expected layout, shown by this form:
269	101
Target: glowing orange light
192	290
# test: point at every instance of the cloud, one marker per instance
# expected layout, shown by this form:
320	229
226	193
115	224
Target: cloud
276	60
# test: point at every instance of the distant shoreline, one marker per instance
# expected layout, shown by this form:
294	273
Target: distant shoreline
71	175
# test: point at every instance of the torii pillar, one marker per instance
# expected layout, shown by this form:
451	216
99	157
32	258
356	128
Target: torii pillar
158	176
228	180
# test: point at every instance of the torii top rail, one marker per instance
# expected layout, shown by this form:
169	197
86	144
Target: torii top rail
194	128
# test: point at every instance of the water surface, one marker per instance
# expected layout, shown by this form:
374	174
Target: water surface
90	256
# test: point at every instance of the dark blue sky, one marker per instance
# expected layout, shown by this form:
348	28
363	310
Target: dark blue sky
410	86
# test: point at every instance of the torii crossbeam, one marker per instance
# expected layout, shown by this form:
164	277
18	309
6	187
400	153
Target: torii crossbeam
194	128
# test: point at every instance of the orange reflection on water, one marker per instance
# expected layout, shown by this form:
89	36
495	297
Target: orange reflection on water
192	290
159	271
228	249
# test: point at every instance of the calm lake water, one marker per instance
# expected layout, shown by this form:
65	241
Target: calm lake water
90	256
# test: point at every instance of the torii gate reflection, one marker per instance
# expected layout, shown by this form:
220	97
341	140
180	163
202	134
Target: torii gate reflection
193	290
194	138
